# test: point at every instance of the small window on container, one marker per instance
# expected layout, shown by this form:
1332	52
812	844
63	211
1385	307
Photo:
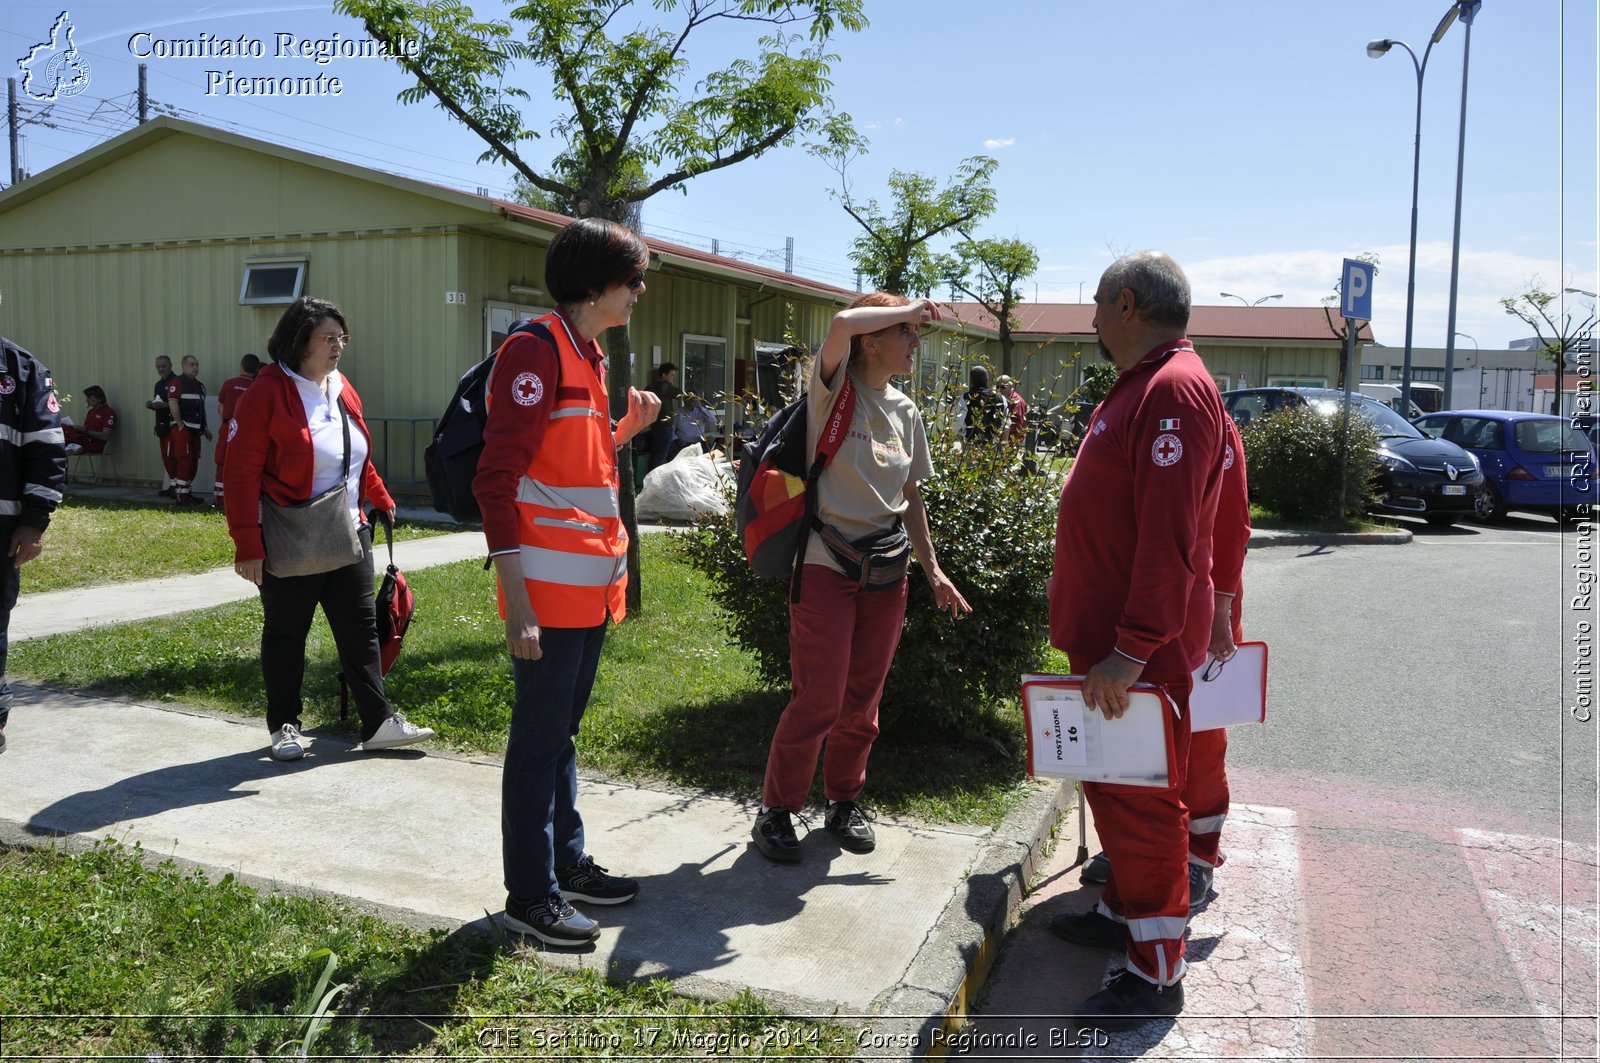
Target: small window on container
268	283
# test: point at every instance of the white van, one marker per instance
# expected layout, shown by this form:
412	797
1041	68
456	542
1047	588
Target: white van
1389	395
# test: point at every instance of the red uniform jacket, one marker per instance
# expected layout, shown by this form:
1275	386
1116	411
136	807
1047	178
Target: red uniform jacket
1134	529
270	453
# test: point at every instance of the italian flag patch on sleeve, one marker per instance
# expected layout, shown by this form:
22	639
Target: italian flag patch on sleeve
1169	425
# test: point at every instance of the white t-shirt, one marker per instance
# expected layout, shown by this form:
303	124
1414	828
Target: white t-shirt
323	414
862	489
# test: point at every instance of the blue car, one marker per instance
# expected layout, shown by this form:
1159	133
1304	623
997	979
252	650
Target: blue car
1530	460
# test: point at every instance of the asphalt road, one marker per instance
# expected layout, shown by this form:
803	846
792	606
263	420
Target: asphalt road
1436	667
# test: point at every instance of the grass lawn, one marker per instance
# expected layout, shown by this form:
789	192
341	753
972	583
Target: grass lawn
1266	519
109	955
676	699
94	541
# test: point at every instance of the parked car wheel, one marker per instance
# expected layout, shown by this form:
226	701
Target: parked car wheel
1488	505
1442	520
1572	514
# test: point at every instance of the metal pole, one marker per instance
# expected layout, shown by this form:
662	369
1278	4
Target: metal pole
11	123
144	94
1469	9
1350	330
1411	267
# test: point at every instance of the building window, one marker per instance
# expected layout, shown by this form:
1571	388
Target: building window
1396	372
1297	381
273	283
1421	373
1372	372
705	365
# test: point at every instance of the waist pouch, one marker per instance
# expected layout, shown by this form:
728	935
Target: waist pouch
876	562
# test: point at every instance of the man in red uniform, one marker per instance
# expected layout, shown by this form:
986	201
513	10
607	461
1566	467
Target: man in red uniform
1205	792
1130	600
186	401
227	398
91	436
166	393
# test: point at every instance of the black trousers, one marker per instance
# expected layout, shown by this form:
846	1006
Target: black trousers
288	604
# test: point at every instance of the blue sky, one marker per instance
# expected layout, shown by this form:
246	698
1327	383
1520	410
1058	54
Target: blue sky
1252	139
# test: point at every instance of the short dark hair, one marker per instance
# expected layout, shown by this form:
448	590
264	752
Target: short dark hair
663	369
978	378
289	340
249	365
95	391
590	256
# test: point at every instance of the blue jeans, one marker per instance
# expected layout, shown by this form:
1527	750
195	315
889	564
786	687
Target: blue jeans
10	584
540	829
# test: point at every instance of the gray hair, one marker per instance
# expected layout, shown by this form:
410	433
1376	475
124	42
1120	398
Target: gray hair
1160	289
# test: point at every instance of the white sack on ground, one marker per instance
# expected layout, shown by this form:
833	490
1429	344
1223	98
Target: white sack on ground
686	488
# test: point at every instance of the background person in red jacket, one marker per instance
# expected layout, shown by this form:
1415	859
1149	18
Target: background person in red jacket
1131	599
92	435
228	396
289	445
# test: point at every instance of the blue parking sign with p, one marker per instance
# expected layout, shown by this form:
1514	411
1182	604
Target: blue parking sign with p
1355	300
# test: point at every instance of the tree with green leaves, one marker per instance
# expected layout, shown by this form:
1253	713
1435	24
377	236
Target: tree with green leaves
893	250
625	123
991	272
1552	323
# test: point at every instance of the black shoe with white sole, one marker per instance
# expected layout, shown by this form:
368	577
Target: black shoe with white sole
1128	1002
552	920
588	882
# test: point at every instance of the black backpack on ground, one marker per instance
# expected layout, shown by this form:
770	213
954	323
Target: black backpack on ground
451	460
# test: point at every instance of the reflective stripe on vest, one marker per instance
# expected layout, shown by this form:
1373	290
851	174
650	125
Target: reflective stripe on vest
569	524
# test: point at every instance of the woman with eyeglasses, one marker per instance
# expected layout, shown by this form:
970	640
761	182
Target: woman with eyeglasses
547	487
297	434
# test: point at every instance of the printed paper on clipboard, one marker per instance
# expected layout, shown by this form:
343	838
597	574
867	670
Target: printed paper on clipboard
1067	741
1235	692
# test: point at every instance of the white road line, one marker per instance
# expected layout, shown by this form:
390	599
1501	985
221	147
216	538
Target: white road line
1554	946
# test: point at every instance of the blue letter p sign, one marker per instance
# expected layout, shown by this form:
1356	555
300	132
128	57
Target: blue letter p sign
1355	301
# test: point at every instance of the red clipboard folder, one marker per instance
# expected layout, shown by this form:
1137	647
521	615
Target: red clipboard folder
1134	750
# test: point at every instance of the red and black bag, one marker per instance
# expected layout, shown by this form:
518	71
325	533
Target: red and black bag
395	605
776	499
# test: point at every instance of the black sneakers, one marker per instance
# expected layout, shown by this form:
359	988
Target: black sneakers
1096	871
552	920
1128	1002
1090	928
589	882
848	822
774	836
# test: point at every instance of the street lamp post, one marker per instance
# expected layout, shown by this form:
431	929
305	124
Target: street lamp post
1376	49
1469	9
1246	302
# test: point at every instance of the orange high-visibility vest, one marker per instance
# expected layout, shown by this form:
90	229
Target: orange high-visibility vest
574	547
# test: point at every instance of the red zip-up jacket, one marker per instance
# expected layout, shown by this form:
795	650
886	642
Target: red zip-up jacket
1134	529
1232	534
270	453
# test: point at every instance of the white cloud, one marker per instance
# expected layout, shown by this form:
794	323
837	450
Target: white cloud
994	142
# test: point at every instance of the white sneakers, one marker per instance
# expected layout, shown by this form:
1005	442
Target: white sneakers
289	744
395	732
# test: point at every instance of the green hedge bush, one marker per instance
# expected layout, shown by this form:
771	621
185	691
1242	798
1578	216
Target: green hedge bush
993	529
1292	460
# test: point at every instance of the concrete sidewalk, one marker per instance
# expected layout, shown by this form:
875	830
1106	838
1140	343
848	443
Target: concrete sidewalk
893	940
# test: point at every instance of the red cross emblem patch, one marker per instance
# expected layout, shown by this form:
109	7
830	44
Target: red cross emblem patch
1166	450
1227	457
527	389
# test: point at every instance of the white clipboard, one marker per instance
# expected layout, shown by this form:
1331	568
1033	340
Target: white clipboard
1069	742
1231	692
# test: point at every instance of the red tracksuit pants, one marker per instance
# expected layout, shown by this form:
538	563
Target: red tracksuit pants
841	642
1145	833
180	456
1206	791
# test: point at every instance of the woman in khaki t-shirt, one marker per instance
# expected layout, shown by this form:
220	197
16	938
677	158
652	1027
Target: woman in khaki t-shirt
842	635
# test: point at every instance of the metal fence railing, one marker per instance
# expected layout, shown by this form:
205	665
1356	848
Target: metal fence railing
399	443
